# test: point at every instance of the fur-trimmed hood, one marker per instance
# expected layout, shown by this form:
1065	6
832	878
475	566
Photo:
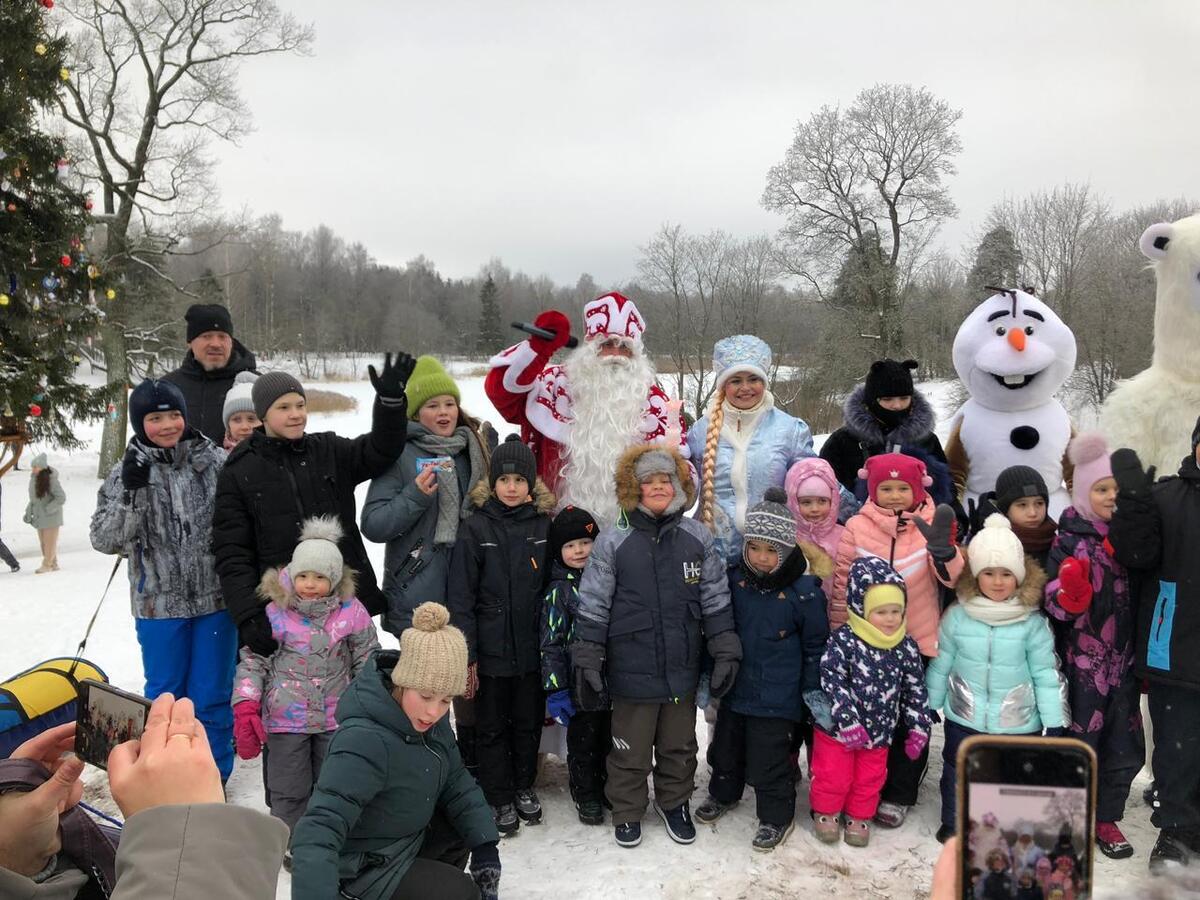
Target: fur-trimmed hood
543	497
1029	592
628	490
919	422
272	587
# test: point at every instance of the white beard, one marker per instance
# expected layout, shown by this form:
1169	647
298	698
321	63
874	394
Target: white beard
608	401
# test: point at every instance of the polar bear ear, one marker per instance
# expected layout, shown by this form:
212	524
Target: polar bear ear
1155	240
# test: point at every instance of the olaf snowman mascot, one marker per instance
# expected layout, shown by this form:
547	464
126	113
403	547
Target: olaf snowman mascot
1012	353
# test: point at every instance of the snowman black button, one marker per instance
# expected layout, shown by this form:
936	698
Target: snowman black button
1024	437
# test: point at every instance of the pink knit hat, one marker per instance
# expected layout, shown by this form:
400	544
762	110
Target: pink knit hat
1089	452
896	467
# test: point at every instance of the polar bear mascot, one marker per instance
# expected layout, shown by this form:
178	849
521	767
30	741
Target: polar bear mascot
1153	412
1013	354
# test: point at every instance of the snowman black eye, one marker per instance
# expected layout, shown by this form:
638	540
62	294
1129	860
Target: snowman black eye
1001	330
1029	329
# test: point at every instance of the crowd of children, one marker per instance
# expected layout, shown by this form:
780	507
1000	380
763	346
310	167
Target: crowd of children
852	638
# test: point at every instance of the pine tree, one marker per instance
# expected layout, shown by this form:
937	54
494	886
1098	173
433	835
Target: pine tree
998	263
48	286
490	338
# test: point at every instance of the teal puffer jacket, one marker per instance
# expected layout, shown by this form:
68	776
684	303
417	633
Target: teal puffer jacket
998	679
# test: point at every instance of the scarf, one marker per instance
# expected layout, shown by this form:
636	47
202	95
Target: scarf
452	505
737	429
993	612
1038	538
869	634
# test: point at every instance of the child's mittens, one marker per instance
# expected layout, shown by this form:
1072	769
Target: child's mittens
939	534
1074	586
560	707
915	744
249	735
818	704
485	870
726	651
854	738
1133	482
587	659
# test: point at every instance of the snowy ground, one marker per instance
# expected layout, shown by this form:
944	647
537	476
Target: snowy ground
45	615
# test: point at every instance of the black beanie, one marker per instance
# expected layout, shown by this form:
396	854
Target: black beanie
202	317
513	458
153	396
1196	436
889	378
571	524
1017	482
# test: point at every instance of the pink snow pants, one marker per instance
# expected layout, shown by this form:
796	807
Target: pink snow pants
844	780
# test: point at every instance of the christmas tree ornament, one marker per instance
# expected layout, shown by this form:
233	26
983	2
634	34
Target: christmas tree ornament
37	304
87	204
50	282
49	4
65	260
4	299
64	73
93	272
35	410
62	168
40	49
110	294
8	411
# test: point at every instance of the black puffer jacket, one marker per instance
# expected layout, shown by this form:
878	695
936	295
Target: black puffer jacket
496	576
269	486
1155	539
205	391
848	448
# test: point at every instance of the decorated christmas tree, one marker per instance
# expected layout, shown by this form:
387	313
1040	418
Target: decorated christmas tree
50	291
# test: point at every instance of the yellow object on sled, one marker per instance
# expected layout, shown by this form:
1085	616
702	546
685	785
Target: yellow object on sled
40	698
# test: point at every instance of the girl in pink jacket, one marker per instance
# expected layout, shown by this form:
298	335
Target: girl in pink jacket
900	525
287	700
813	496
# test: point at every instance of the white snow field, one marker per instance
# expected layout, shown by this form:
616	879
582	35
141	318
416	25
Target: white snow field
45	615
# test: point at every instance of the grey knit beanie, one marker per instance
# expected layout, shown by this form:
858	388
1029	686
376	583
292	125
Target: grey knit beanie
270	387
772	522
240	397
318	550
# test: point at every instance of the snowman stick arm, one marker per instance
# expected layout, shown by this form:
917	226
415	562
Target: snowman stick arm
957	460
1068	467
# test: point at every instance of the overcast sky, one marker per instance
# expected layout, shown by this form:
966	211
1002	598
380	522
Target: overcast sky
560	135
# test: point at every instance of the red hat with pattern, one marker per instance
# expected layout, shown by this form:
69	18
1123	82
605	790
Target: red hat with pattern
896	467
613	315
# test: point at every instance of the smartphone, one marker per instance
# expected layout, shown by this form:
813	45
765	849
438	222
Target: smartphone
1022	800
107	716
443	464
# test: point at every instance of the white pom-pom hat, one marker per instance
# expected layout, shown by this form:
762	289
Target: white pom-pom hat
996	547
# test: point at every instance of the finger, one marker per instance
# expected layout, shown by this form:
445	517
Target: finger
372	373
63	789
121	759
47	745
183	720
387	361
155	733
945	872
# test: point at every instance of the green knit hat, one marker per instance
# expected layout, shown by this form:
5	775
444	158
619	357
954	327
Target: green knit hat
428	380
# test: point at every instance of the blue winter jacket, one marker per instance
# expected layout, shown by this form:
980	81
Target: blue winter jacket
783	628
998	679
741	477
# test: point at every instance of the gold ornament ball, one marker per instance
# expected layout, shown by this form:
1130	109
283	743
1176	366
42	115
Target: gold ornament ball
40	49
110	294
3	299
64	74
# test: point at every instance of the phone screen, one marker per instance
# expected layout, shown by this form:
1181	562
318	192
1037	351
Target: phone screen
1026	811
107	716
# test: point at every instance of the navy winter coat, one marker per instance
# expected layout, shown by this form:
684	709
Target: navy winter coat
654	589
559	609
781	622
205	391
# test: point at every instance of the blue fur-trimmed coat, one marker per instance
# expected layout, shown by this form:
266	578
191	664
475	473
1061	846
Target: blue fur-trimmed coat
867	685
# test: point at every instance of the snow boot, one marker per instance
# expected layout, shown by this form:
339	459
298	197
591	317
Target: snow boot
1174	849
1112	842
529	807
591	812
827	828
507	822
858	832
679	823
628	834
712	809
891	815
944	833
768	836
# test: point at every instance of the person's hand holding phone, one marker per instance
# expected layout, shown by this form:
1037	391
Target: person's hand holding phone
29	827
426	480
171	763
945	872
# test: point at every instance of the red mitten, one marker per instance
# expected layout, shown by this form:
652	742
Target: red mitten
551	320
1074	586
249	735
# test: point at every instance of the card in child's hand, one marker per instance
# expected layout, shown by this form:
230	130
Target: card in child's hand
441	463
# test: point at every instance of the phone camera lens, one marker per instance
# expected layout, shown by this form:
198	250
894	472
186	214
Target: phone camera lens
1027	768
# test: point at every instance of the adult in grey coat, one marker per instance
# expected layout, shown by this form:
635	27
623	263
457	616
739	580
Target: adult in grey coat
45	510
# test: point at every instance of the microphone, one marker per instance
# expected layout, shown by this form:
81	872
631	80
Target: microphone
543	333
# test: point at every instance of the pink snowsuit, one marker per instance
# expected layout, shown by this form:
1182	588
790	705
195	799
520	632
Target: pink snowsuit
828	533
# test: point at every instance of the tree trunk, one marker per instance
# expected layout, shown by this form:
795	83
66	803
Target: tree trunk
116	360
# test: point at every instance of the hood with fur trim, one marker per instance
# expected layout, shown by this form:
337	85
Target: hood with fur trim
543	497
1030	591
628	491
919	422
271	587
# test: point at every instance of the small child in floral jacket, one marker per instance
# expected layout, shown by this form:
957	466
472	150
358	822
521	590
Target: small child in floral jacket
287	700
872	675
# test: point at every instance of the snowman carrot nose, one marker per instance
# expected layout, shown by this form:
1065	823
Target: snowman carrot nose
1016	337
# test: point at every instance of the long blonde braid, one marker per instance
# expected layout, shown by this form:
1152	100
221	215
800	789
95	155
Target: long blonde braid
716	419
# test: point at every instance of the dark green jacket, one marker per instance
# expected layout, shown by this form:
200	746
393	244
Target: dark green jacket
378	788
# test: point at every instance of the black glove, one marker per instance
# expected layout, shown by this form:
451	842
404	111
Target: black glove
587	660
485	870
135	469
726	651
1058	731
390	383
939	534
1132	482
255	633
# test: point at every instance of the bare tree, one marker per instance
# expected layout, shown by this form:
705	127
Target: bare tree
869	178
152	82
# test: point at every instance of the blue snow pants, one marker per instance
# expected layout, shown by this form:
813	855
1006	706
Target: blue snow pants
195	658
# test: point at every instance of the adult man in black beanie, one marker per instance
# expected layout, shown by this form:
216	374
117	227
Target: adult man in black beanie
213	360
